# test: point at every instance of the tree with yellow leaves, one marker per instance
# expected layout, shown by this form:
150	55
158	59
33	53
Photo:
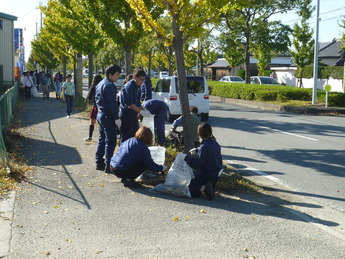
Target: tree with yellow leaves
188	19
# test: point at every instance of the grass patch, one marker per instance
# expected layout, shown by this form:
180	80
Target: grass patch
298	103
230	180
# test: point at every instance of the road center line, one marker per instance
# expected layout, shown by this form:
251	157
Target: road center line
280	131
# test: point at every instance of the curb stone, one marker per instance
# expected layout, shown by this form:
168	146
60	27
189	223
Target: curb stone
282	108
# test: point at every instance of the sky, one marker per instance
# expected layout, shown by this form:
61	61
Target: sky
28	18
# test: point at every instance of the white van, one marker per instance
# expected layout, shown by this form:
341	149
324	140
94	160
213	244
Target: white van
167	90
163	74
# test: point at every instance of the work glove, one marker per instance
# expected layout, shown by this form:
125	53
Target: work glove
193	151
165	168
118	123
145	113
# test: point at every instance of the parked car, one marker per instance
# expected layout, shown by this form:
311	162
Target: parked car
232	79
167	90
263	80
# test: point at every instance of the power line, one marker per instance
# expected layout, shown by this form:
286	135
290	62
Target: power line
322	20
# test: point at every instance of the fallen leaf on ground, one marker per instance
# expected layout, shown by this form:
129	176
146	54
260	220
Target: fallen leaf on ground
175	219
203	211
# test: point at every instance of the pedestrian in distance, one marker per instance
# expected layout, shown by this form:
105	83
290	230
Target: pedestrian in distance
34	91
93	112
28	84
159	109
207	163
58	80
44	83
134	157
130	105
68	90
37	76
177	137
107	117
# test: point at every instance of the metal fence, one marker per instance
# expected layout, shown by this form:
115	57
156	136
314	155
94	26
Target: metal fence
8	103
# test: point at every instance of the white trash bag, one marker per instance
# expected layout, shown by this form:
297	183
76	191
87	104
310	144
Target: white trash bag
157	154
178	179
149	122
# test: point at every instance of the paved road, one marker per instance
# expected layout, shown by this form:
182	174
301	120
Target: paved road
303	152
67	209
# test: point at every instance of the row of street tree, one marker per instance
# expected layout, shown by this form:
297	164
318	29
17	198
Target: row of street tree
168	34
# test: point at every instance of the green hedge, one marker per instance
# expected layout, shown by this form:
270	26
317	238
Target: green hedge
272	93
324	72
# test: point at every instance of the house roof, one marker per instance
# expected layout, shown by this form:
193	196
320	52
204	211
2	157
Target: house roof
332	53
332	49
8	17
221	62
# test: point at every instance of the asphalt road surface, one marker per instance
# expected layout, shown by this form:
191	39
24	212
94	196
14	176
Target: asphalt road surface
305	153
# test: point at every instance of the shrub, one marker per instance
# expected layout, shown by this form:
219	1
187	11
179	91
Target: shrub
272	93
324	72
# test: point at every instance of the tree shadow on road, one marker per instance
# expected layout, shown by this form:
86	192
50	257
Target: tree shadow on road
248	203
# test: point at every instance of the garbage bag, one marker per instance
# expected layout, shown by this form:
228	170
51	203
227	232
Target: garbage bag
149	122
158	154
178	179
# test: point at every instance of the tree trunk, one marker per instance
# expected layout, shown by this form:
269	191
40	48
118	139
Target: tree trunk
90	67
78	77
128	60
182	82
247	63
149	65
64	67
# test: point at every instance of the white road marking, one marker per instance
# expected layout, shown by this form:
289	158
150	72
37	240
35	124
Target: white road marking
280	131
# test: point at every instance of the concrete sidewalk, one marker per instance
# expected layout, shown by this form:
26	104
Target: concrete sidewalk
67	209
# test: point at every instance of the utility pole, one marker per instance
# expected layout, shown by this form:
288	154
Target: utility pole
316	53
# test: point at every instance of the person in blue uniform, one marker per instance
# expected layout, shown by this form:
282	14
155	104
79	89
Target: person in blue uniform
134	157
159	109
145	90
207	163
130	105
107	117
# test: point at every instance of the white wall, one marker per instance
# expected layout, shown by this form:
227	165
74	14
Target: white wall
287	76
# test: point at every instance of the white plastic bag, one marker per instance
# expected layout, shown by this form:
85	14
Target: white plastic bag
158	154
149	122
178	179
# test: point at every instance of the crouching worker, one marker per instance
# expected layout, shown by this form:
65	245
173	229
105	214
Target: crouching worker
177	137
134	157
206	164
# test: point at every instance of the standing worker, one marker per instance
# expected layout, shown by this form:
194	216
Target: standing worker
159	109
145	89
107	117
130	105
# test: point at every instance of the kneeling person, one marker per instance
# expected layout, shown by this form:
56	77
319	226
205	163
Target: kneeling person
134	157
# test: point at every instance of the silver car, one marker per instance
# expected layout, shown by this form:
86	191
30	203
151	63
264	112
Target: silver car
263	80
232	79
